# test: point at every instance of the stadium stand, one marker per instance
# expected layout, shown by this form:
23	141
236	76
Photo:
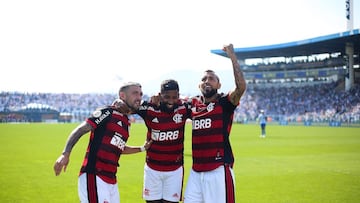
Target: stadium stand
298	103
310	103
70	107
304	81
317	58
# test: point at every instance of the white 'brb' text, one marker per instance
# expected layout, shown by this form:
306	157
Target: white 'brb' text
201	124
163	136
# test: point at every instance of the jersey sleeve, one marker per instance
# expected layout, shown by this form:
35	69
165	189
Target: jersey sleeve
99	117
227	105
188	109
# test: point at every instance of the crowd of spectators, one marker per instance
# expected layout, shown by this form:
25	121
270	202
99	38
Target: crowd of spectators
313	102
300	64
78	105
320	102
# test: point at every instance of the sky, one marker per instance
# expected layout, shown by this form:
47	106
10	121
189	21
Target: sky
74	46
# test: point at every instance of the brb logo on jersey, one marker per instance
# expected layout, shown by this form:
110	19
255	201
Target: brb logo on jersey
177	118
158	135
118	141
201	124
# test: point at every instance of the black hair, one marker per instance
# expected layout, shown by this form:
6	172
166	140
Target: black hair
169	84
213	72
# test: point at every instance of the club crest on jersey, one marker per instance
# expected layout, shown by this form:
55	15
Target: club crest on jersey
177	118
210	107
96	113
117	141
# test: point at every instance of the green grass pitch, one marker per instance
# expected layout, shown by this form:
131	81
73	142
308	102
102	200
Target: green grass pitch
292	164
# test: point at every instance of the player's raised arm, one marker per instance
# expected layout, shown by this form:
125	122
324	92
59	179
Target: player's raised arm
63	160
240	84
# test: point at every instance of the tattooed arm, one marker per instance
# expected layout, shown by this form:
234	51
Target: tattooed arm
63	160
240	83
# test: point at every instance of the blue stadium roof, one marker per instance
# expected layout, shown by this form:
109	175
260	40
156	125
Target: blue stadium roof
333	43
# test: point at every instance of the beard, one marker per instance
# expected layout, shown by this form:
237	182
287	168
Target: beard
165	108
209	93
132	108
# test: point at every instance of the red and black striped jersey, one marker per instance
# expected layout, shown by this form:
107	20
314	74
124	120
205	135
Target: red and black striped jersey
107	141
211	125
166	129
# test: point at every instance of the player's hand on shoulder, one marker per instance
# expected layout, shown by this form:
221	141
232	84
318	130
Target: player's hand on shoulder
120	106
155	99
196	100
